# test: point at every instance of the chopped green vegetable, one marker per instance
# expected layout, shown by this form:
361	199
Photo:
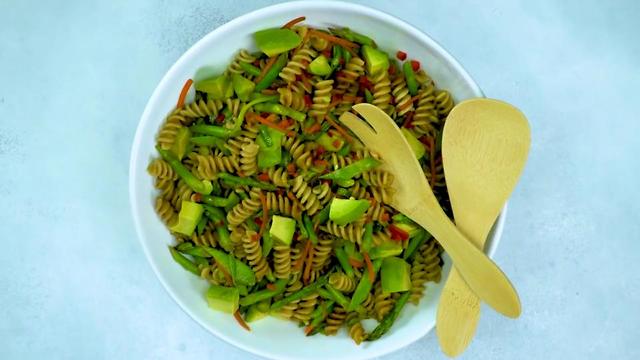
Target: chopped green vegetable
343	259
367	237
376	61
272	74
270	143
267	244
352	170
279	109
223	298
363	288
345	183
410	228
345	150
415	144
198	251
184	262
368	96
414	243
243	273
257	311
188	218
329	142
304	292
181	146
217	201
212	130
353	36
308	226
395	275
276	40
197	185
386	249
389	319
337	296
242	86
218	88
216	141
282	229
265	294
322	216
320	66
241	181
345	211
201	225
410	78
249	69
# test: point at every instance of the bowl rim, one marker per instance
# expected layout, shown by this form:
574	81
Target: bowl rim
136	161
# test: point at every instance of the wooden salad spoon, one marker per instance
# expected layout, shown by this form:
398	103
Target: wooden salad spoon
414	198
484	148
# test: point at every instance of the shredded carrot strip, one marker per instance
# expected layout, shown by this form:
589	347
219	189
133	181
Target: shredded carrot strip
308	329
271	118
339	129
225	272
334	39
367	260
432	160
184	92
260	119
271	287
265	213
349	97
294	199
240	320
313	128
413	99
408	120
303	256
355	263
307	270
290	24
267	66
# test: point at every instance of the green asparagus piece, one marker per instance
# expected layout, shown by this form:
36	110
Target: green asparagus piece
279	109
197	185
217	201
352	170
414	243
264	294
236	180
410	78
306	291
250	69
272	74
364	287
343	259
389	319
184	262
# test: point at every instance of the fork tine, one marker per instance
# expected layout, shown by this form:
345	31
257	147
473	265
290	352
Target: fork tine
359	127
378	119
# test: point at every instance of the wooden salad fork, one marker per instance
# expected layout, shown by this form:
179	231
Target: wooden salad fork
414	198
485	144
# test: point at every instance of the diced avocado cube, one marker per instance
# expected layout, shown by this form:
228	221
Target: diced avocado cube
415	144
218	88
275	41
320	66
242	86
344	211
376	61
222	298
188	218
257	311
395	275
386	249
330	143
182	143
282	229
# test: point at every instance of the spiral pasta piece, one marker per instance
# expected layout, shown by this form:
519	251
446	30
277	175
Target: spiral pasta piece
298	151
359	191
338	161
249	158
425	118
234	106
401	95
169	130
166	187
383	302
181	193
282	261
348	77
282	205
301	87
369	303
426	266
299	62
319	43
352	232
323	193
378	177
243	56
166	212
244	209
382	91
292	99
342	282
380	237
444	103
296	252
159	168
322	252
207	238
307	304
208	167
378	212
254	255
305	195
201	108
213	275
234	145
355	329
278	176
335	320
321	99
384	194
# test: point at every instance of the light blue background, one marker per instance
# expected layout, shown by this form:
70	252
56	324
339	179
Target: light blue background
76	75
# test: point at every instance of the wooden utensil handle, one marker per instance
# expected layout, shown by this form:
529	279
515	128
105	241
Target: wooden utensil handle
482	275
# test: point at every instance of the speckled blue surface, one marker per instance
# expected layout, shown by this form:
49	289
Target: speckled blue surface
75	77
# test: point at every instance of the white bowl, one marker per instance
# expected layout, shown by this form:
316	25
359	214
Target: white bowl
271	337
